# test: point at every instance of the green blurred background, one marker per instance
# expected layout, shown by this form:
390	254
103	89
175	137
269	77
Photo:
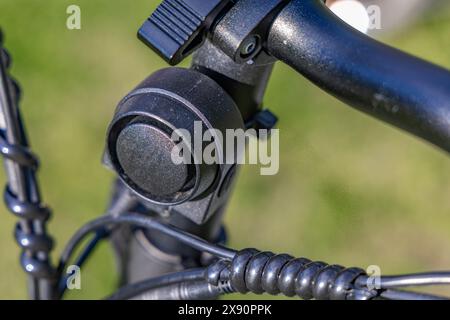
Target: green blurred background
350	190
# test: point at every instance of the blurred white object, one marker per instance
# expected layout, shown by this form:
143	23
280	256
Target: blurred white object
352	12
394	15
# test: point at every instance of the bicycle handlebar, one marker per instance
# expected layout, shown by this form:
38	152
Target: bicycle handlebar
384	82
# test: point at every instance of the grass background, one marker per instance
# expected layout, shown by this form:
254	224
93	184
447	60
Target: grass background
350	190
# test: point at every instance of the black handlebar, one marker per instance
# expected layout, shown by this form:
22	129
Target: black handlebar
384	82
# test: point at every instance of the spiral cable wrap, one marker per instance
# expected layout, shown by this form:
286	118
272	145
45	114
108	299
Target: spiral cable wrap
33	240
260	272
32	244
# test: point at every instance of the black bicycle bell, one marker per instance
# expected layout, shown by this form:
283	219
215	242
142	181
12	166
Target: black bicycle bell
141	141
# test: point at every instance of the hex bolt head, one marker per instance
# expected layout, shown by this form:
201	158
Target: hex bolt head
249	46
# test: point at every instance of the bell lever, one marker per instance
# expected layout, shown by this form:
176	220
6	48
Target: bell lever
177	27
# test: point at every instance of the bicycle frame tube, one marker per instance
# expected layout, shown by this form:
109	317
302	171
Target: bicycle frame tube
386	83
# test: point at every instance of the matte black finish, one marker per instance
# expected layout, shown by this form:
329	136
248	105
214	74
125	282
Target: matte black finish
246	83
144	152
177	27
143	254
140	140
384	82
240	34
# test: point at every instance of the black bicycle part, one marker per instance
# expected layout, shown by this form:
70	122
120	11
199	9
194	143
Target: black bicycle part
404	103
141	141
384	82
252	270
241	33
135	248
245	82
21	195
177	27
